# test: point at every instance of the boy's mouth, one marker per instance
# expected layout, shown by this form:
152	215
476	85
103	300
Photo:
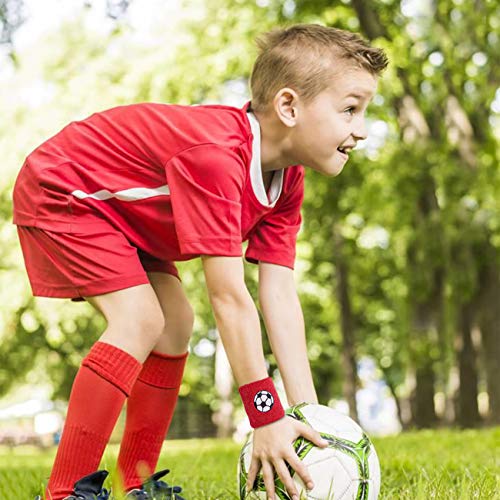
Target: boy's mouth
344	152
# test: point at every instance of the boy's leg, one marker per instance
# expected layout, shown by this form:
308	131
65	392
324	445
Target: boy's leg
105	379
151	404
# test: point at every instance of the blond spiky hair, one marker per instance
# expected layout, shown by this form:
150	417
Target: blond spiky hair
305	57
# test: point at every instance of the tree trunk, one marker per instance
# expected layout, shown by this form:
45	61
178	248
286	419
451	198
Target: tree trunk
426	280
424	413
350	381
425	323
489	323
222	418
468	411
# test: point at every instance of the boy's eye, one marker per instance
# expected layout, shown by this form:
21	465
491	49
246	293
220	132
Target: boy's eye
350	110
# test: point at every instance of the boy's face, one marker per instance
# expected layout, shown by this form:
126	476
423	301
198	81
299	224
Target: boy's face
327	128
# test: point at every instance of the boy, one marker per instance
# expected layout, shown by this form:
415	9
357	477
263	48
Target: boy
105	207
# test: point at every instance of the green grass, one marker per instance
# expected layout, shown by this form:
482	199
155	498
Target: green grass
444	464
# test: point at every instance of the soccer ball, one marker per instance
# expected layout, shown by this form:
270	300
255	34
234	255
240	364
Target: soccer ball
347	469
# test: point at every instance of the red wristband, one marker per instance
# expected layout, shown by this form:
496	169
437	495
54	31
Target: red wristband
261	401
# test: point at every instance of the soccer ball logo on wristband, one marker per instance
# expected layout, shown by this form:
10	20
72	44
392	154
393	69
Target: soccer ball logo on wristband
263	401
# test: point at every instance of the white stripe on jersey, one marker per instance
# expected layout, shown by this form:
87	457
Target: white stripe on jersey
132	194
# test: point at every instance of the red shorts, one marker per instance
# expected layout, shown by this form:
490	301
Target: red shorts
78	265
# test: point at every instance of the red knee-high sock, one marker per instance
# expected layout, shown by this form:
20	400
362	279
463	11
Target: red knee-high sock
101	385
150	408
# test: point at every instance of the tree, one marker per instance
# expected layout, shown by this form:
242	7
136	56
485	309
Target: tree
399	256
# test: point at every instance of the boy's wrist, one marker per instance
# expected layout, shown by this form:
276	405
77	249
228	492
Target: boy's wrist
261	401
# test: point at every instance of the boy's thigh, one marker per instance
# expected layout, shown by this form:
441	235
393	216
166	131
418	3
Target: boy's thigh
78	265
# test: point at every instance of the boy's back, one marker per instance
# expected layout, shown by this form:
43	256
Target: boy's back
142	136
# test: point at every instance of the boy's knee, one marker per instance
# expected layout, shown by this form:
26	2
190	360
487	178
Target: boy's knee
145	321
177	331
188	316
151	324
181	323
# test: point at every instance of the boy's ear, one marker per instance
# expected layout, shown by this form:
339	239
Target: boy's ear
285	105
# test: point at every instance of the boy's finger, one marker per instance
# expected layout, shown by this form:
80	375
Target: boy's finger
268	473
313	436
287	480
252	473
299	467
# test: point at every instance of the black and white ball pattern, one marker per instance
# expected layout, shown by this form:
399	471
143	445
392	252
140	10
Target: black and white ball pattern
263	401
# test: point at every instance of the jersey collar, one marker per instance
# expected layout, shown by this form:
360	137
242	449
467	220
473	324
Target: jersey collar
256	170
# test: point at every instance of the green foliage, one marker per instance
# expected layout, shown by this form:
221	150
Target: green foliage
423	204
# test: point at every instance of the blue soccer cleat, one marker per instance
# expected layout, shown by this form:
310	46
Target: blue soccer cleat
89	488
154	489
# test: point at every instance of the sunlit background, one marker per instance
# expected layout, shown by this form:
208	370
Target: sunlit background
411	229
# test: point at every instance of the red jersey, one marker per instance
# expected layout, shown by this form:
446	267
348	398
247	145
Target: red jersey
177	181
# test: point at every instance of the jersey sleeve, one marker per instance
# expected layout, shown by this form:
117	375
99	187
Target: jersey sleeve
206	185
274	238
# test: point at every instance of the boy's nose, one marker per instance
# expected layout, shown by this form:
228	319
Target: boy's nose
359	131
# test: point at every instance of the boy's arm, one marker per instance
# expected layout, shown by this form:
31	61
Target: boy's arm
238	322
236	316
285	329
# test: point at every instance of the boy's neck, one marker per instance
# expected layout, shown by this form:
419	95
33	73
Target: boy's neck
273	143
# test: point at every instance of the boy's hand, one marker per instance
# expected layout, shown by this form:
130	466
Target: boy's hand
272	445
